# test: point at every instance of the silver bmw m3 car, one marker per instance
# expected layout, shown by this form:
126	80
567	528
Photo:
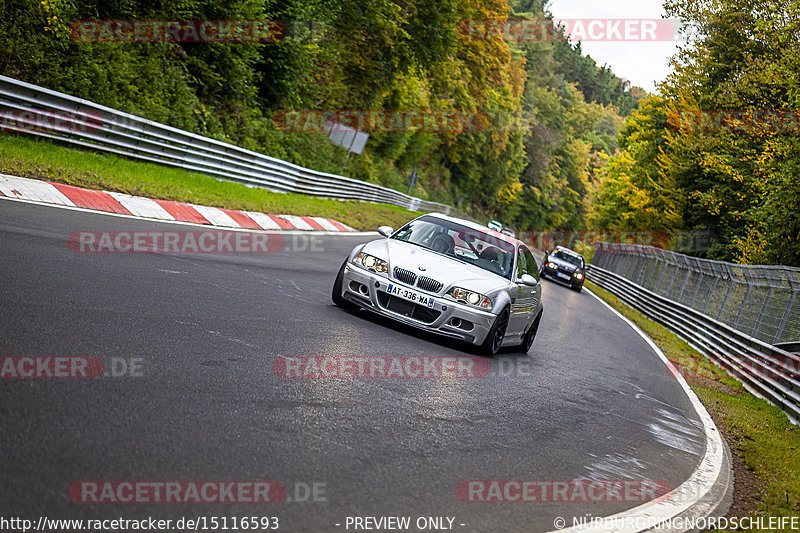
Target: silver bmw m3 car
448	276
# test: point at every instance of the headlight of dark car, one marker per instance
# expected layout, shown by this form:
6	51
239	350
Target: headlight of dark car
370	262
469	297
552	265
578	275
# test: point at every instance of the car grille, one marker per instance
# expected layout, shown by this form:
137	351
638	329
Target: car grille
406	308
428	284
406	276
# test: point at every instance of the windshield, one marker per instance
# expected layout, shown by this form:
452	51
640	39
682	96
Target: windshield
569	258
484	250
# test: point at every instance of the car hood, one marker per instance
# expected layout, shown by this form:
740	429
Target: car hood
450	272
566	266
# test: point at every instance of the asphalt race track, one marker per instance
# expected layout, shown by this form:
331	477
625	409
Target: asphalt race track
195	338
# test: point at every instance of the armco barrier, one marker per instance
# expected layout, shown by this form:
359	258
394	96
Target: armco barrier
765	370
34	110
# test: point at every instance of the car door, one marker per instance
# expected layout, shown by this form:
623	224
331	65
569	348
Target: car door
521	296
536	292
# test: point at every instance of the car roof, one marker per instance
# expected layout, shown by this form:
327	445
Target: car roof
567	250
479	227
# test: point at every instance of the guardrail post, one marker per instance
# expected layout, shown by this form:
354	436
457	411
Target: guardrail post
672	281
785	319
685	282
741	307
760	319
657	286
642	268
697	289
710	294
653	260
725	299
750	283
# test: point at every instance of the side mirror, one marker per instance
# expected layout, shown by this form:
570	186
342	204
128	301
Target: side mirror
386	231
529	280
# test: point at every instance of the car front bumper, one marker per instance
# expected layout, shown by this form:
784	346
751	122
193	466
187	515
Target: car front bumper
447	317
554	274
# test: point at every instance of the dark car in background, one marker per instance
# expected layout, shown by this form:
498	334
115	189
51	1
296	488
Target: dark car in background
566	266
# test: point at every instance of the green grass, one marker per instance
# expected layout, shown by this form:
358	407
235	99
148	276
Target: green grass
760	432
38	159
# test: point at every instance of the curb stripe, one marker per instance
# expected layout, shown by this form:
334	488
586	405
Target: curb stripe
263	220
313	223
241	218
325	223
182	212
216	216
27	189
38	191
282	222
339	226
91	199
143	207
297	222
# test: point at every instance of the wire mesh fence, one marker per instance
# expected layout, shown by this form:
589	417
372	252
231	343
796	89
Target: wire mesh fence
760	301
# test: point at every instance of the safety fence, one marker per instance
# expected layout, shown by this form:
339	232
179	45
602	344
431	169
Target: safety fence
760	301
768	371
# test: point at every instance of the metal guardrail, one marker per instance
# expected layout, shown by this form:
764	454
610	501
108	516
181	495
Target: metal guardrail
109	130
765	370
761	301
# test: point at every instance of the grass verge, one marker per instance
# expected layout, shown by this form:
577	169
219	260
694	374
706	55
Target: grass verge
765	445
44	160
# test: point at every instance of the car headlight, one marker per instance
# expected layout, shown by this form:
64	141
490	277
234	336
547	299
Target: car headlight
552	265
578	275
472	298
371	262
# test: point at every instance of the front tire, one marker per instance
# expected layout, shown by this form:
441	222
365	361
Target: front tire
494	339
336	294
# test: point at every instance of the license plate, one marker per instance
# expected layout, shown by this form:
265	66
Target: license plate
563	276
411	296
